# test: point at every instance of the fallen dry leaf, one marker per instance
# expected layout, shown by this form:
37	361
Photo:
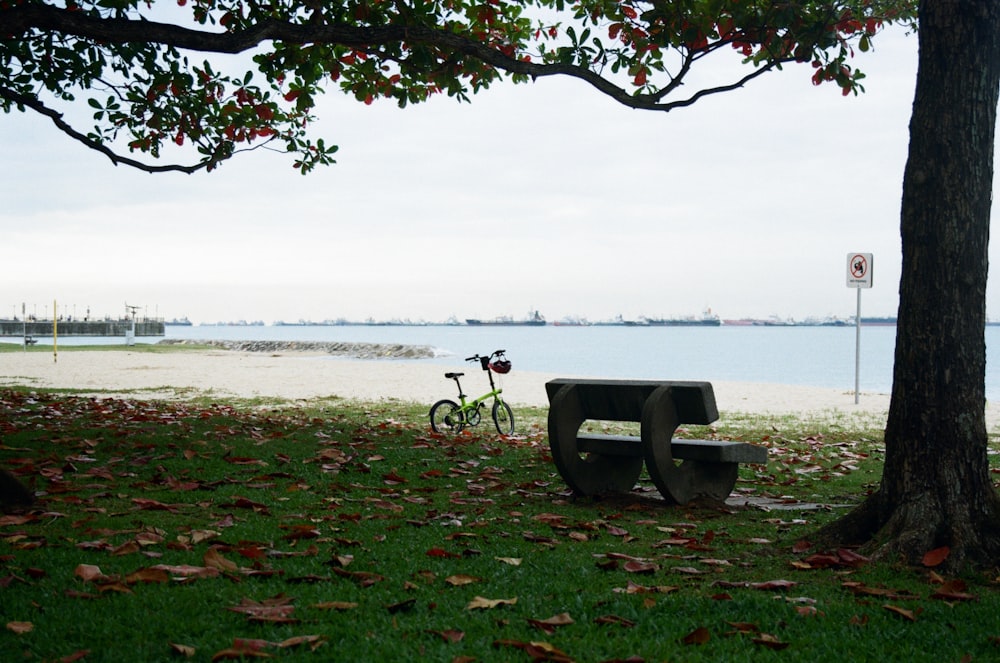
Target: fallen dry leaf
459	580
335	605
513	561
481	603
902	612
936	557
699	636
20	628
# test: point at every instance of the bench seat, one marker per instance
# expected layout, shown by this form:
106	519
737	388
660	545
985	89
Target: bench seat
707	451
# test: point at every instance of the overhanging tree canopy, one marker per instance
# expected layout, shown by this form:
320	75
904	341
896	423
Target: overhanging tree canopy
153	93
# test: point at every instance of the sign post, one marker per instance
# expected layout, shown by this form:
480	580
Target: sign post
859	275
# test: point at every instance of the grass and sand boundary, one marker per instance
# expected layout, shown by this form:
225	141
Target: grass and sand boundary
166	371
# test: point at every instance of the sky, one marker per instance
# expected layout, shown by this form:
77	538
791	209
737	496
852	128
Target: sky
543	196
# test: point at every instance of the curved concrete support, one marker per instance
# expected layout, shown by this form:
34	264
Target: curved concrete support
588	474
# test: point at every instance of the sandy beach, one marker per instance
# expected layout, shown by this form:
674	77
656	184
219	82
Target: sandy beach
304	375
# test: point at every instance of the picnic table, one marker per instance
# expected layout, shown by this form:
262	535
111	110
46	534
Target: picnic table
594	463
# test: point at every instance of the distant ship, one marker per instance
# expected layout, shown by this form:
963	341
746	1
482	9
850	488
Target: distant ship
707	319
534	319
178	322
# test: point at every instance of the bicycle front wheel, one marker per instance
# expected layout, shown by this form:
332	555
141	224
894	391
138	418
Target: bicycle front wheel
503	418
447	417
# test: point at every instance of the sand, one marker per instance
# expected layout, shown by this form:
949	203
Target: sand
300	375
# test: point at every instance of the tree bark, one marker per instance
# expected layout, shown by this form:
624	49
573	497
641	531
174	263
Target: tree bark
936	489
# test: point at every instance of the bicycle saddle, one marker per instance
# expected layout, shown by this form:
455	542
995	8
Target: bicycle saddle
453	375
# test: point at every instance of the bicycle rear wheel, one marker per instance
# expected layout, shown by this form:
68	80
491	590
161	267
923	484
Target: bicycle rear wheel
447	417
503	417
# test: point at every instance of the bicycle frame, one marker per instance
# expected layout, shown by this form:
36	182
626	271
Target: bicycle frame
476	403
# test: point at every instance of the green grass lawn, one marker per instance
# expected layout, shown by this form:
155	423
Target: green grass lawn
349	532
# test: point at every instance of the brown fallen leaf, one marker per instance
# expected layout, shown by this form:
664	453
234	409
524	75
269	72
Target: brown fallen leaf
481	603
614	619
640	567
213	559
184	650
769	641
335	605
699	636
902	612
20	628
450	635
88	572
459	580
549	625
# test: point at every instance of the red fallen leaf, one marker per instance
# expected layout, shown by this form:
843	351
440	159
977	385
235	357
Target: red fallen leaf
75	656
614	619
936	557
153	505
393	479
450	635
440	552
641	567
238	654
699	636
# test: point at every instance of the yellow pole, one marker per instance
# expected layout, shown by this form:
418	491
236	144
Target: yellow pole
55	335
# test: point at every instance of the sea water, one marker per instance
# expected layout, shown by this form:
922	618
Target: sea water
800	355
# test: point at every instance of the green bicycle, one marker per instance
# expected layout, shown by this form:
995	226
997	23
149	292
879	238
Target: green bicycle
447	416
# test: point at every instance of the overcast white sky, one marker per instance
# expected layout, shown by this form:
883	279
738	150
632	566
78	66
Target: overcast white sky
541	196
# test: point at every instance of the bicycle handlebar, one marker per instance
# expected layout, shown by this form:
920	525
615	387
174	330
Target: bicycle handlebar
479	357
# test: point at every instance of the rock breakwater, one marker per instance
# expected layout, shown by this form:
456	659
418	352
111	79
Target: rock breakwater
338	349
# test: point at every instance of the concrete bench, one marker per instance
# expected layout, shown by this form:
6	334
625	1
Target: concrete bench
592	464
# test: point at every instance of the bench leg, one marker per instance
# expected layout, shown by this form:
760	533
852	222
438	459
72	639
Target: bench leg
588	474
678	483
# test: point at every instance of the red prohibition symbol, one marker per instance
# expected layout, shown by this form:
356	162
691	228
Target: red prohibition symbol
859	266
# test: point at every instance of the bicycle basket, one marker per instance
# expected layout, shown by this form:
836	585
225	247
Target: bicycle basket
500	366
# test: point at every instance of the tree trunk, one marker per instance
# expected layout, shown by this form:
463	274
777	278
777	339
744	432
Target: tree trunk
936	488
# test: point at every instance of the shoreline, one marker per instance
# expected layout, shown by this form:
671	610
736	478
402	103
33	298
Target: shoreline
297	375
305	375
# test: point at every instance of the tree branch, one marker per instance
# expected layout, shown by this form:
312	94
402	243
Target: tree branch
116	159
118	30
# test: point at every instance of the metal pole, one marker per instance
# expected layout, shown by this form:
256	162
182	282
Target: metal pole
857	350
